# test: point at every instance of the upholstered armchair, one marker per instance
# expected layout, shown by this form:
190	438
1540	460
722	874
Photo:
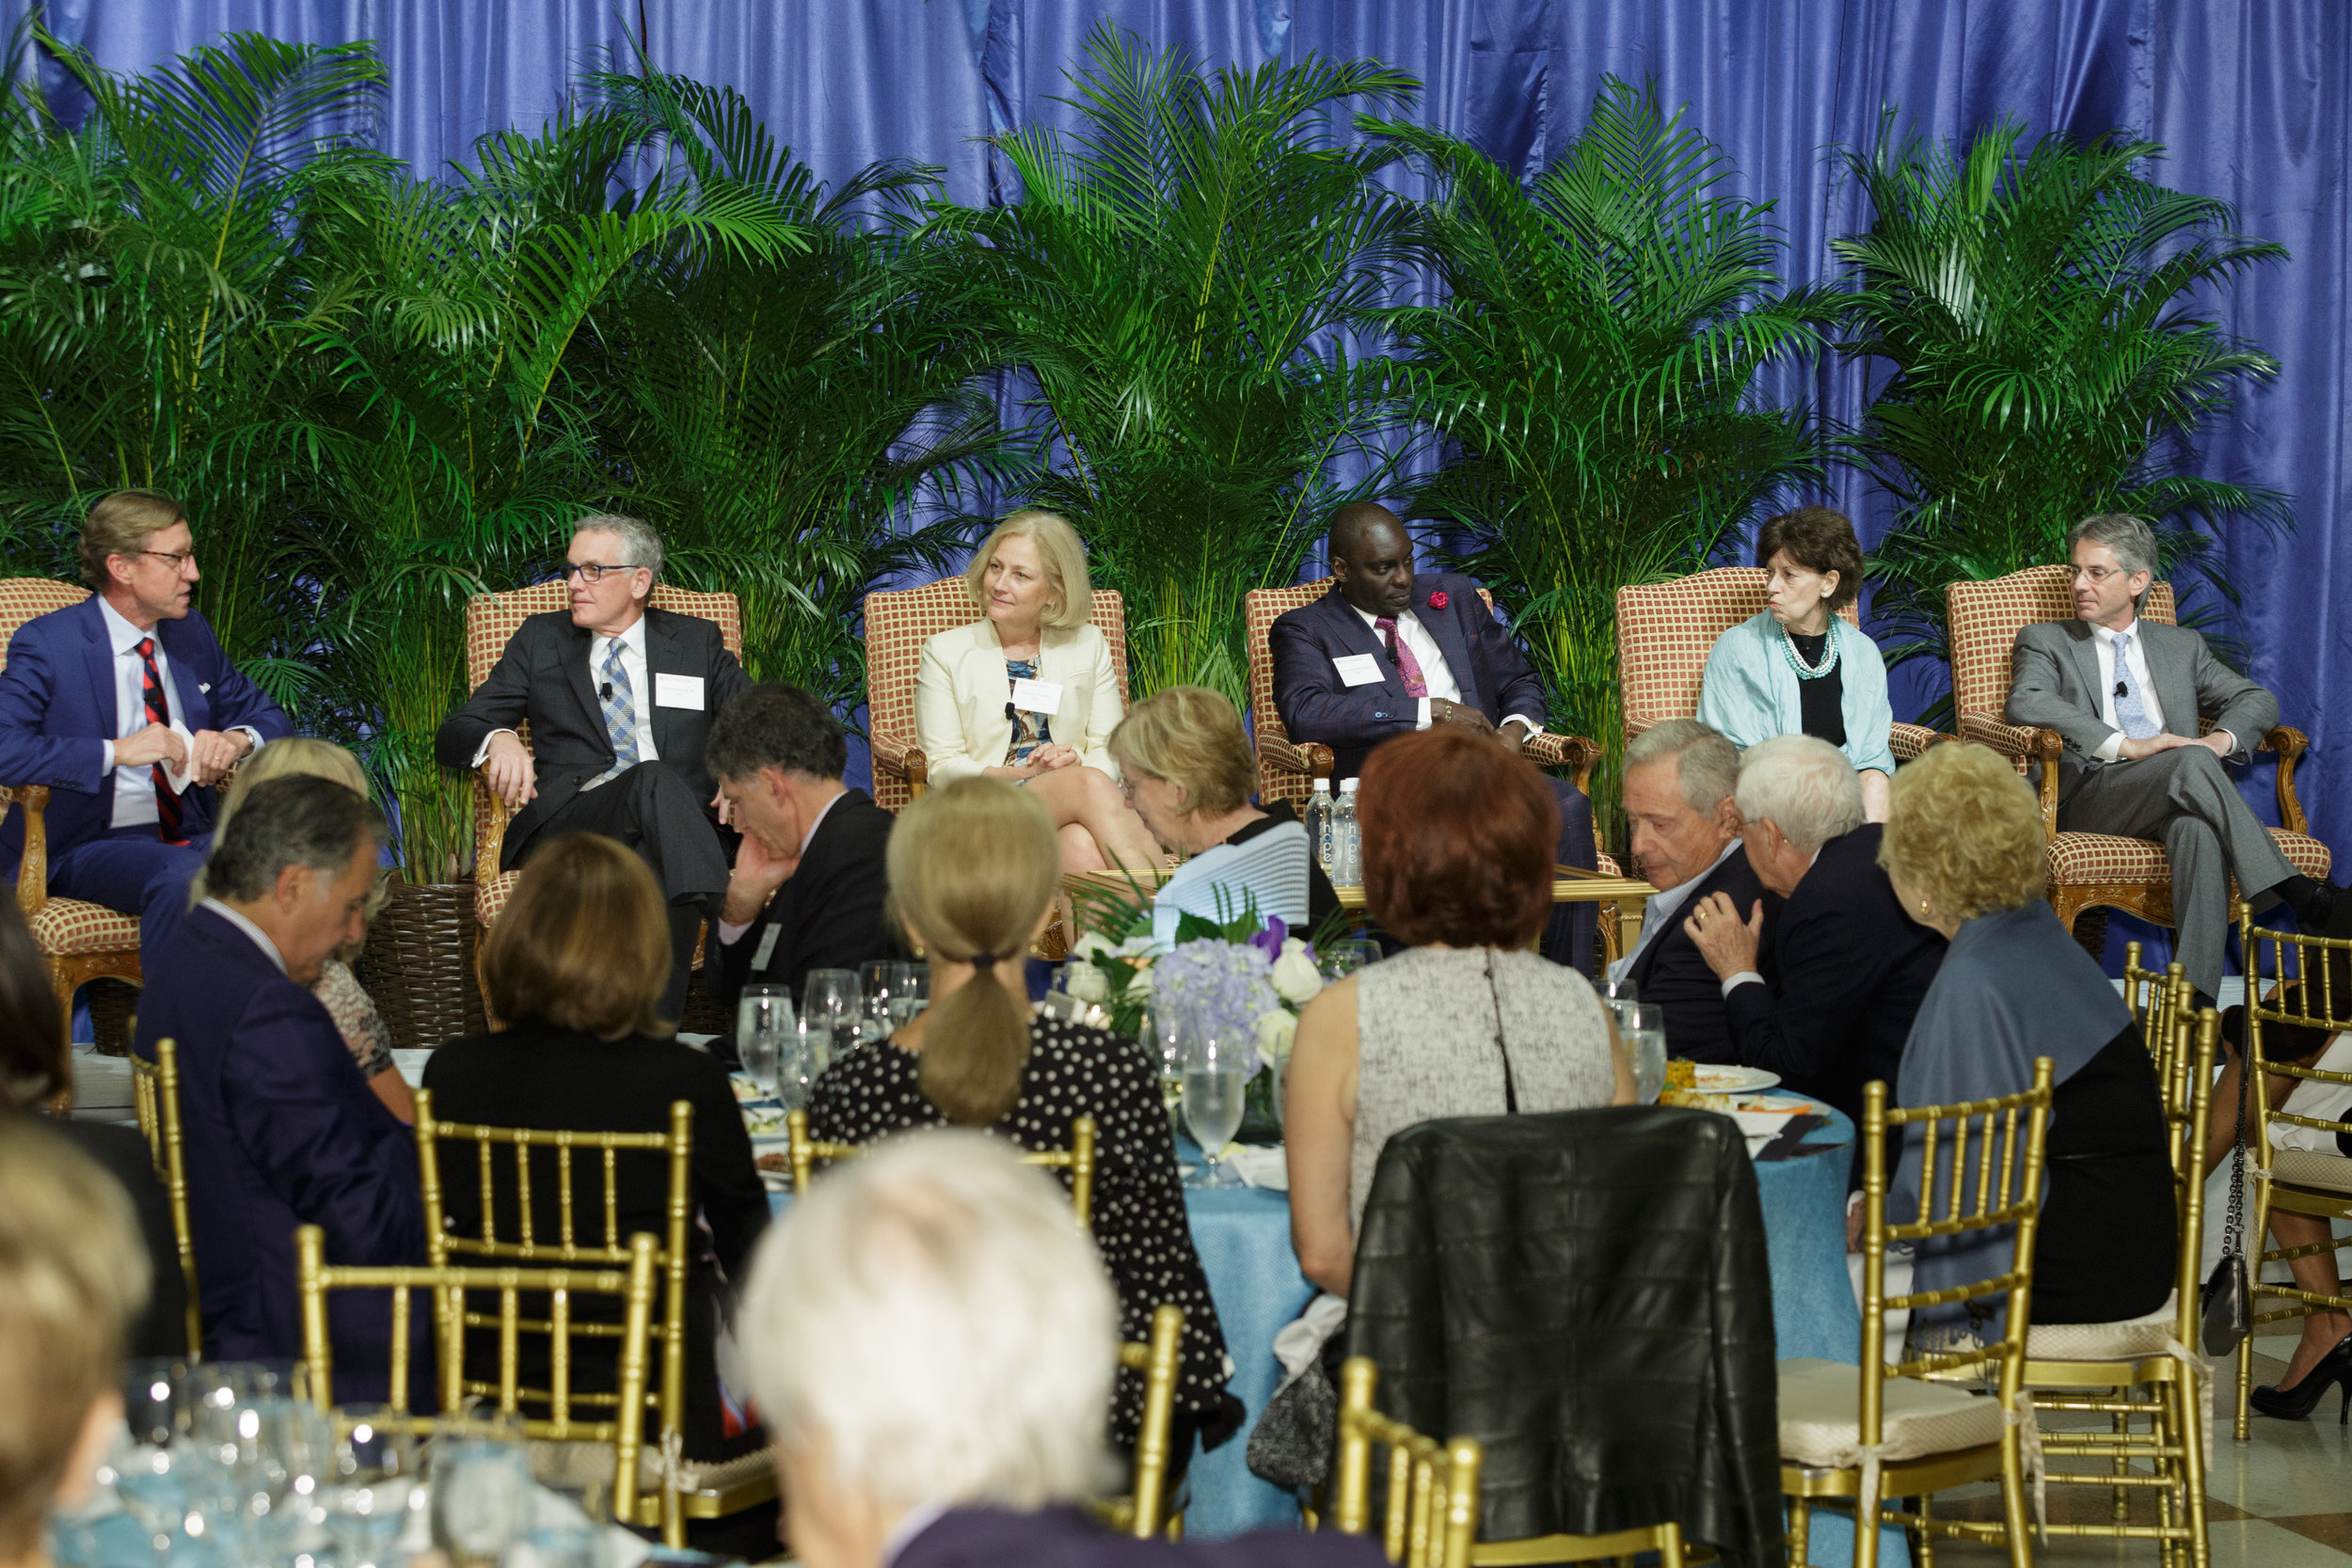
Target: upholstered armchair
2087	870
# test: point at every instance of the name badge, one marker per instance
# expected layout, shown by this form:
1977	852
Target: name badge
766	946
1360	670
1037	696
677	691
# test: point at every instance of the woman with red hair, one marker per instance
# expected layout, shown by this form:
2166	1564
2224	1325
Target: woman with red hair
1457	838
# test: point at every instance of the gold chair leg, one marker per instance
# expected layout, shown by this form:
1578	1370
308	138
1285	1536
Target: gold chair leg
2013	1500
1800	1533
1924	1554
2123	1504
1669	1546
2185	1411
1866	1530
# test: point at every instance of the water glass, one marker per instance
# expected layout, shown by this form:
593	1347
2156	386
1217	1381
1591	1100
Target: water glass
1214	1089
1164	1036
763	1020
910	993
1641	1025
800	1062
375	1486
154	1394
1620	990
481	1490
1344	955
831	1000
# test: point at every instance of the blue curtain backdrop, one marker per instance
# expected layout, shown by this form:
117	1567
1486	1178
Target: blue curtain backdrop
2250	97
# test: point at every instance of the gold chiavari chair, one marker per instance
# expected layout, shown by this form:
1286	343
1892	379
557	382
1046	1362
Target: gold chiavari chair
1144	1513
2150	996
2290	1181
2104	1368
622	1426
679	1489
1885	1429
1431	1518
1078	1160
156	1093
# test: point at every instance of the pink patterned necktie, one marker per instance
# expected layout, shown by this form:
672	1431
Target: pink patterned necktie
1400	655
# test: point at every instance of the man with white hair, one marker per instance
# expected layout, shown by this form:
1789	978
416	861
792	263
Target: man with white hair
620	698
1823	991
932	1344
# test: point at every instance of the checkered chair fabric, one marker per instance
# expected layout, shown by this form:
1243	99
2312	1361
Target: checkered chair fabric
2086	869
1665	630
1283	769
491	621
898	621
71	928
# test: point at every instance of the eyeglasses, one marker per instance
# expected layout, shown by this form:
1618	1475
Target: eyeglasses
1127	789
593	571
2099	574
178	558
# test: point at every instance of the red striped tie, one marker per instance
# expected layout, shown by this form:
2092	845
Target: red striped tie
159	712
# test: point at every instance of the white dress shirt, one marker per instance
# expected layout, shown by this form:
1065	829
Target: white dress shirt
632	644
2103	642
134	787
1659	908
1435	673
730	935
261	938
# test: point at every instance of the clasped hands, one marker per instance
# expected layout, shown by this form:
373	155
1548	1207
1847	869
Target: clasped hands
2220	742
1728	943
1052	757
205	756
1463	717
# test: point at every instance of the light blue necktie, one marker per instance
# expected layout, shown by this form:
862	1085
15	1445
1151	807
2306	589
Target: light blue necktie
620	715
2131	712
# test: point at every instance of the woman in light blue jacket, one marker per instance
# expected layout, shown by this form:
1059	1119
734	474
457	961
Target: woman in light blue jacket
1798	668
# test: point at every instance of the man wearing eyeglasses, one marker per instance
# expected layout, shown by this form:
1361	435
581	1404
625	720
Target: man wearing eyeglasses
620	697
2125	695
126	707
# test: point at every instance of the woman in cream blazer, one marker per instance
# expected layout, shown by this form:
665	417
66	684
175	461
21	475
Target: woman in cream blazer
1033	639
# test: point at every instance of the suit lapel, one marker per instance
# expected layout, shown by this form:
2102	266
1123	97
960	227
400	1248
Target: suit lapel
196	708
1358	638
1445	629
2085	644
97	659
578	647
2172	671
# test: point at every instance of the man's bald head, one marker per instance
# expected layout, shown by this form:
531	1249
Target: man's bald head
1352	522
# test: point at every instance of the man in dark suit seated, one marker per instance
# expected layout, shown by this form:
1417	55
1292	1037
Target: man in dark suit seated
126	708
809	879
620	698
2125	696
1824	992
1679	777
281	1129
1387	652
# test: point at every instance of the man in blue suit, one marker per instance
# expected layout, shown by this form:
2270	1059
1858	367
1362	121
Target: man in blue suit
126	708
1388	652
281	1129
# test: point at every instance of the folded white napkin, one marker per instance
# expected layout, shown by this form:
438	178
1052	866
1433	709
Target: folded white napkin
1260	1167
178	777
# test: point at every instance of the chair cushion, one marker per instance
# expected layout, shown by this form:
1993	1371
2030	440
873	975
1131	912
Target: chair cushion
2081	859
2126	1340
69	927
490	894
1820	1422
2307	1167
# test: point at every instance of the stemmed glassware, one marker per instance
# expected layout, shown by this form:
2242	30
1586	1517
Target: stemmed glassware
763	1024
482	1489
1344	955
1214	1088
1641	1025
375	1484
831	1004
1164	1036
910	993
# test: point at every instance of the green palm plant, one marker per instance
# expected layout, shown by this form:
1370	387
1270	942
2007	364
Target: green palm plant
1178	287
1592	368
2049	361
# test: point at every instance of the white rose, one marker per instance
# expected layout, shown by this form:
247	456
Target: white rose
1141	984
1091	944
1275	1031
1295	977
1086	983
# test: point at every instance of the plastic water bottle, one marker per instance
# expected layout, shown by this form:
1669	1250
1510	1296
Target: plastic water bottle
1347	855
1319	824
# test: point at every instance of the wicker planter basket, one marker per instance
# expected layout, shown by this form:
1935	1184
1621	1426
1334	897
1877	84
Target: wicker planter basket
418	966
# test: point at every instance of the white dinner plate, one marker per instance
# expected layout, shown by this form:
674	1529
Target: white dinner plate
1710	1078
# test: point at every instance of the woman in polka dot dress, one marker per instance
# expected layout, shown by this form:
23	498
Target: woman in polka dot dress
974	866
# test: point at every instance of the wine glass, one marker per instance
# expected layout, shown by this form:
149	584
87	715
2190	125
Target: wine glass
1164	1036
1344	955
830	1000
374	1485
1214	1086
482	1489
1641	1025
763	1019
910	993
1615	991
874	978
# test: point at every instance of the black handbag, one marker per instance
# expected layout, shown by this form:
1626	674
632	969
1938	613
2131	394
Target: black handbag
2227	1299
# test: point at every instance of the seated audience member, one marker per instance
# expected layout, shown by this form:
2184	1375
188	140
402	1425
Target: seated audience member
1186	766
1466	1022
35	1065
806	892
1964	849
1824	994
2323	1359
620	698
72	1280
363	1028
281	1129
574	972
1386	653
1679	778
1028	692
1796	668
105	700
973	873
2126	695
933	1345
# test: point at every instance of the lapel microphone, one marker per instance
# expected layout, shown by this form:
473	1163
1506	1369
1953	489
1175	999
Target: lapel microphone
605	691
2119	688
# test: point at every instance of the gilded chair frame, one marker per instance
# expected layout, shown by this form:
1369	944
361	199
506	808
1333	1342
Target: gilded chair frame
2008	1193
1079	1159
2151	997
624	1428
717	1491
1430	1519
2273	1188
155	1095
1144	1512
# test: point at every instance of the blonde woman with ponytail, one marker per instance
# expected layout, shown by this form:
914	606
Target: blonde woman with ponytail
974	866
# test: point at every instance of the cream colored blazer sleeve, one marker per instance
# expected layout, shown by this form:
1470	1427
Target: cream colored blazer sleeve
950	713
1095	680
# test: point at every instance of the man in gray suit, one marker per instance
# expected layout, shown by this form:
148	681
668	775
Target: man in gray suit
2125	695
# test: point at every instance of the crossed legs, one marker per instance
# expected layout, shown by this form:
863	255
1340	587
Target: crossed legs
1098	831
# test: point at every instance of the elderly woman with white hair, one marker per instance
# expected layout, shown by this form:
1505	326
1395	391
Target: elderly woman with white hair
1824	992
932	1344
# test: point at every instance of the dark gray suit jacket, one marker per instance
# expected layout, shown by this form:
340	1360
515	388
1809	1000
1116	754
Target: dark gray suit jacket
543	677
2054	684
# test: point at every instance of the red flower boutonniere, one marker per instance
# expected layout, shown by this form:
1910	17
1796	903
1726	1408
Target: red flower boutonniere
1437	600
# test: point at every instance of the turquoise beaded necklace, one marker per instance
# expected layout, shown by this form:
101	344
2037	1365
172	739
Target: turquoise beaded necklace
1796	660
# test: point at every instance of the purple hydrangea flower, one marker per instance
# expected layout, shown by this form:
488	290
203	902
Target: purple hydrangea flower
1221	987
